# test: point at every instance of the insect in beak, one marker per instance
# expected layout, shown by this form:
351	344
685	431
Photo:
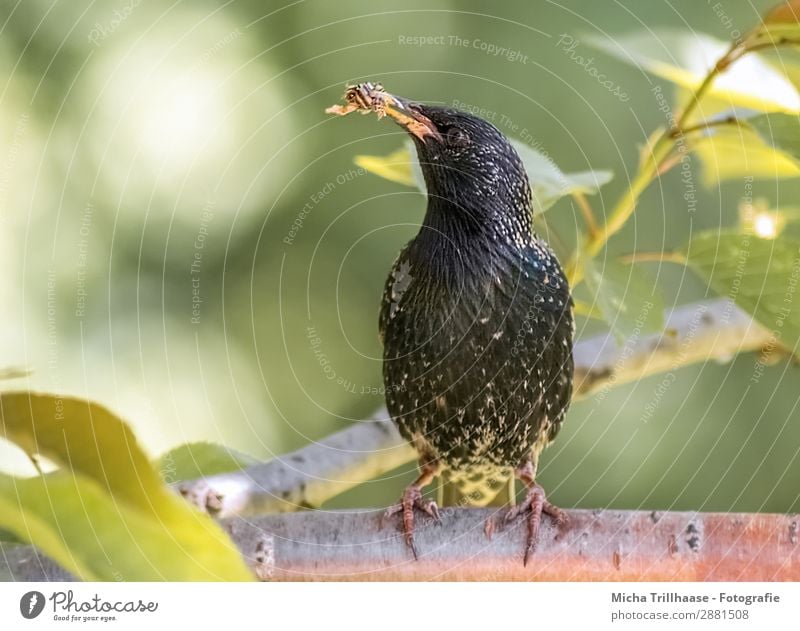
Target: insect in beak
372	97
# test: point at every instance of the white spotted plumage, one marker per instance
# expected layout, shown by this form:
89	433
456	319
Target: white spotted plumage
478	345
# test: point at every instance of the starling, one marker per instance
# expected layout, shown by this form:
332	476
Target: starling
476	318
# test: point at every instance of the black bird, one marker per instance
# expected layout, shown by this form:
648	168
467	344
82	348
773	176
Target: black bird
476	319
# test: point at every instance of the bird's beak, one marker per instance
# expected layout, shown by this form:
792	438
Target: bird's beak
408	116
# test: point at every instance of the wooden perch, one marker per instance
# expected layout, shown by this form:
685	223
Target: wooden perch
594	546
712	330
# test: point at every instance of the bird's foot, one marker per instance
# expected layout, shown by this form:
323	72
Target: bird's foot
534	504
411	501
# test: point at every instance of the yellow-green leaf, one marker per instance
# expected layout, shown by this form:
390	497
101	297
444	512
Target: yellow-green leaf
196	460
762	146
73	520
736	152
760	275
103	455
85	437
685	58
395	166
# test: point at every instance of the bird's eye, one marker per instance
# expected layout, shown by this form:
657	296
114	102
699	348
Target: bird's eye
457	137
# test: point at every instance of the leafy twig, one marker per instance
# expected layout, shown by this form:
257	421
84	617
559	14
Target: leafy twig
653	164
587	212
709	124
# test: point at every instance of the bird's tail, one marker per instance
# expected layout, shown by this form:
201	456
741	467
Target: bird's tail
475	487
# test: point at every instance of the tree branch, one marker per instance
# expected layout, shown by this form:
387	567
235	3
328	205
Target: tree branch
305	478
712	330
715	330
593	546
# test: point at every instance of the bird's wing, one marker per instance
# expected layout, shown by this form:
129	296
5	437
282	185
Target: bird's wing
396	284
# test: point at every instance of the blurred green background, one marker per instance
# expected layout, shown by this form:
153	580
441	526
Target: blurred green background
153	155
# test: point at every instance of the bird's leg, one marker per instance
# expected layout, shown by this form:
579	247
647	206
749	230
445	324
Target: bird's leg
412	500
534	504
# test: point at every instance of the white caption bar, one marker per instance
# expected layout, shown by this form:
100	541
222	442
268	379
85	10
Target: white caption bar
389	606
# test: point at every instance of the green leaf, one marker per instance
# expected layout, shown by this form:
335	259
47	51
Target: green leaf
111	499
6	536
627	299
758	219
760	275
685	58
781	131
196	460
548	182
587	182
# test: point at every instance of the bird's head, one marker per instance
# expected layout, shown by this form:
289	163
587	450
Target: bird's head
468	164
476	181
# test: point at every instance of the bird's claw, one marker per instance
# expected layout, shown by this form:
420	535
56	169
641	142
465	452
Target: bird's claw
559	516
412	500
534	504
432	509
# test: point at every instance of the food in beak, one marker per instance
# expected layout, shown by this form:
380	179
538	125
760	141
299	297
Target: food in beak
363	97
372	97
